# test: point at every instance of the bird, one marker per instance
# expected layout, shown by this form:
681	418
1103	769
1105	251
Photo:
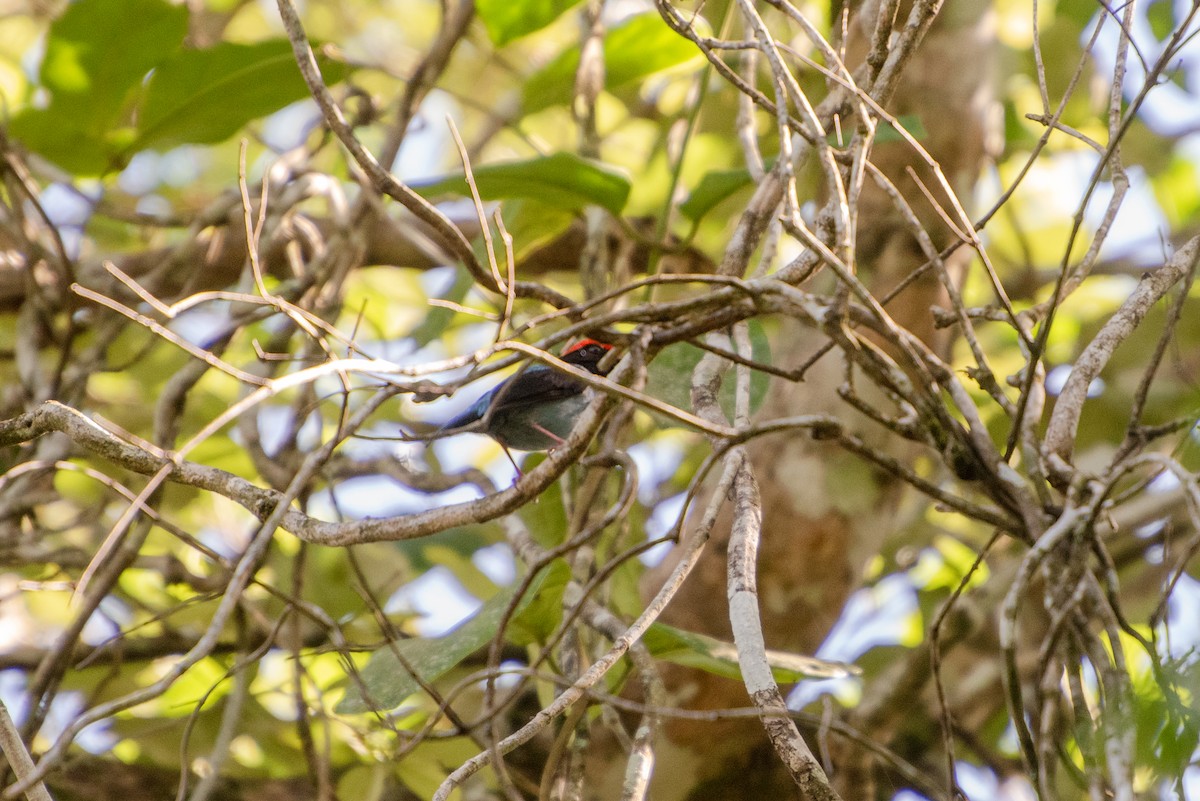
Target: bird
536	409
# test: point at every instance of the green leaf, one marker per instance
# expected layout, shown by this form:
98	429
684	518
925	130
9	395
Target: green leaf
1161	17
562	180
99	49
463	539
547	520
206	96
65	139
1166	723
720	658
438	318
1177	190
541	612
640	46
387	680
534	225
363	782
714	187
506	20
670	374
97	53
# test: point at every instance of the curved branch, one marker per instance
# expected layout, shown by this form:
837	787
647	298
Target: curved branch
52	416
1064	421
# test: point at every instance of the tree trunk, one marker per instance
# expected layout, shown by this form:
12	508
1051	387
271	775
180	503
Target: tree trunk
826	513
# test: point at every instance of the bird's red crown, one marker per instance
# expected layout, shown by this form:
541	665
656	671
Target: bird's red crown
583	343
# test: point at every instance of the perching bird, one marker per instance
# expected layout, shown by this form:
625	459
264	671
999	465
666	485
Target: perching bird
536	409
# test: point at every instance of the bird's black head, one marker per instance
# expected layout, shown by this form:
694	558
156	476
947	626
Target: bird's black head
586	353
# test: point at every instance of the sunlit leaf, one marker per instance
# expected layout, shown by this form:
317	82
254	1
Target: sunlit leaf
97	53
562	180
206	96
363	782
1161	17
944	566
640	46
533	224
506	20
98	50
713	188
1177	189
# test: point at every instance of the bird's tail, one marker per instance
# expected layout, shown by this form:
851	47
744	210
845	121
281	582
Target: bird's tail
460	421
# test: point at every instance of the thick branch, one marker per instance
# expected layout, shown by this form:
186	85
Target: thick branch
52	416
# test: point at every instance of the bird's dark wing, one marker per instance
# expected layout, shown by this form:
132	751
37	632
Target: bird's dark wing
537	384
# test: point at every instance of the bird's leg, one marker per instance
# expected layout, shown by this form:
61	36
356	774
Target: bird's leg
513	461
543	430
